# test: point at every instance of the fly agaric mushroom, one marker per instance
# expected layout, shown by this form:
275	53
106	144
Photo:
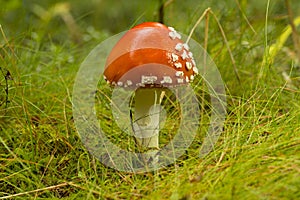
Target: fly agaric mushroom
149	57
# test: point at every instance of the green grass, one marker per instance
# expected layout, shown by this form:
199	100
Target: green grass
41	154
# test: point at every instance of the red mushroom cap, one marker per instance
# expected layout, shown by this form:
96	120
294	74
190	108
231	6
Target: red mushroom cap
150	54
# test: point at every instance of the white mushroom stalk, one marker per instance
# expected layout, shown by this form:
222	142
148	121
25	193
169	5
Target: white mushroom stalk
146	123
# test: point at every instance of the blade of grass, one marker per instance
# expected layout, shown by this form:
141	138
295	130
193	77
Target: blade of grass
206	12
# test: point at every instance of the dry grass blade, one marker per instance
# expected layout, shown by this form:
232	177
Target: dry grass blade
295	34
244	16
197	23
34	191
206	12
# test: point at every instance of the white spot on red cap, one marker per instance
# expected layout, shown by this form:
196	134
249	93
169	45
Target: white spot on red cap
188	65
174	57
120	83
192	77
187	79
186	46
179	73
171	28
129	82
178	35
178	65
178	46
195	69
148	79
166	79
180	80
173	34
184	55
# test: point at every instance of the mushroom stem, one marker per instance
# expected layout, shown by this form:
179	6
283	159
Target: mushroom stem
146	114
